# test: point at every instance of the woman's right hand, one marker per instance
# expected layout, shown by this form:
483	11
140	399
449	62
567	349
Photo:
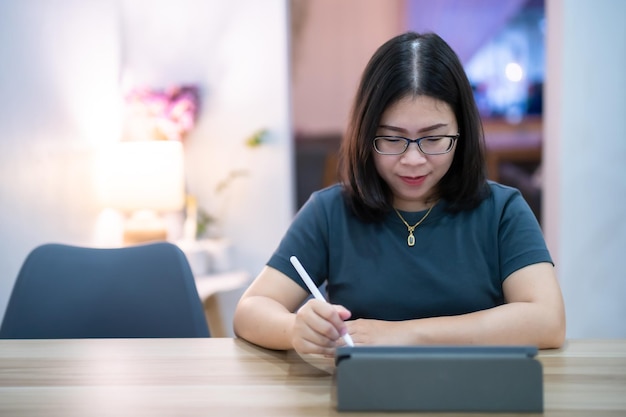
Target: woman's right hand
318	327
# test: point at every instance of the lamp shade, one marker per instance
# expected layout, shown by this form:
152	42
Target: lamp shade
142	175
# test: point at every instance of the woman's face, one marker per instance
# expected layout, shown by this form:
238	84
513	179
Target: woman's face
413	176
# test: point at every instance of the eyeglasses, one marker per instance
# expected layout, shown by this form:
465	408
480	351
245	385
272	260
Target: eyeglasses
428	145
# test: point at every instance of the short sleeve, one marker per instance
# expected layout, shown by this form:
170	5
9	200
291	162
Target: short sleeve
521	241
307	239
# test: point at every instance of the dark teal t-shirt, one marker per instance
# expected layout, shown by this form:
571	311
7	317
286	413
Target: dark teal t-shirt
457	265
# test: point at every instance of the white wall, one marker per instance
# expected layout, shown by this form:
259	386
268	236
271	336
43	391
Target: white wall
58	77
585	162
62	63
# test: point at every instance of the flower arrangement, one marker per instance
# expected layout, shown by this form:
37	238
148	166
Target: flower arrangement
167	114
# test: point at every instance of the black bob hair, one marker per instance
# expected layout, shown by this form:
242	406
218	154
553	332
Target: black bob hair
412	64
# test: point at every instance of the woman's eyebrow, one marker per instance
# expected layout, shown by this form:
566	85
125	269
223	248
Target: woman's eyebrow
422	130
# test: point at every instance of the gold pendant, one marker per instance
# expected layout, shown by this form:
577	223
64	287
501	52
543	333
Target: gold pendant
411	239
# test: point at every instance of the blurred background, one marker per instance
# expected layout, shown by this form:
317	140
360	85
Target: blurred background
257	93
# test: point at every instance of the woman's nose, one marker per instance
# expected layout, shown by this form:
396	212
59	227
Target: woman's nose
413	155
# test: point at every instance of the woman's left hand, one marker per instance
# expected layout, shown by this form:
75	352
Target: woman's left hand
376	332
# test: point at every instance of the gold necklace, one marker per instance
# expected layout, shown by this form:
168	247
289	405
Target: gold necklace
411	239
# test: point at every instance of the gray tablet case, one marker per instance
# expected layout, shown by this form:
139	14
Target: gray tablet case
439	378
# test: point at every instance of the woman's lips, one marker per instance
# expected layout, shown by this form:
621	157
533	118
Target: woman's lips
414	180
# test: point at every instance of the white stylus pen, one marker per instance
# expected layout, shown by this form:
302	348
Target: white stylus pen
314	290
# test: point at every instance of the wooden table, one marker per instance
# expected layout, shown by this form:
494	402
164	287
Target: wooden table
229	377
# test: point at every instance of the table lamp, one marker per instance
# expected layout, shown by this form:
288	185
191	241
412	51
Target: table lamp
143	179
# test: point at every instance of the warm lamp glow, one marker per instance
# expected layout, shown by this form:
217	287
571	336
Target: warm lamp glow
143	175
142	178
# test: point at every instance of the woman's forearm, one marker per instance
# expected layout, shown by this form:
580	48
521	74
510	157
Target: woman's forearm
271	329
508	324
533	315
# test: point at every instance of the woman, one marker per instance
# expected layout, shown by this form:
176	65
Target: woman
416	247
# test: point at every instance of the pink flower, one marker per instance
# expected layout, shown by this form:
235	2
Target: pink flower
167	114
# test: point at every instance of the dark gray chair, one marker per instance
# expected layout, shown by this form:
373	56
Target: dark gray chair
65	291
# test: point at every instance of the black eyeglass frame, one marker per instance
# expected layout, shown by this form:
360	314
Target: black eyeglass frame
417	141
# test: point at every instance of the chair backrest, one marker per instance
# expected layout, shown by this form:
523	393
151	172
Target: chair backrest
65	291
